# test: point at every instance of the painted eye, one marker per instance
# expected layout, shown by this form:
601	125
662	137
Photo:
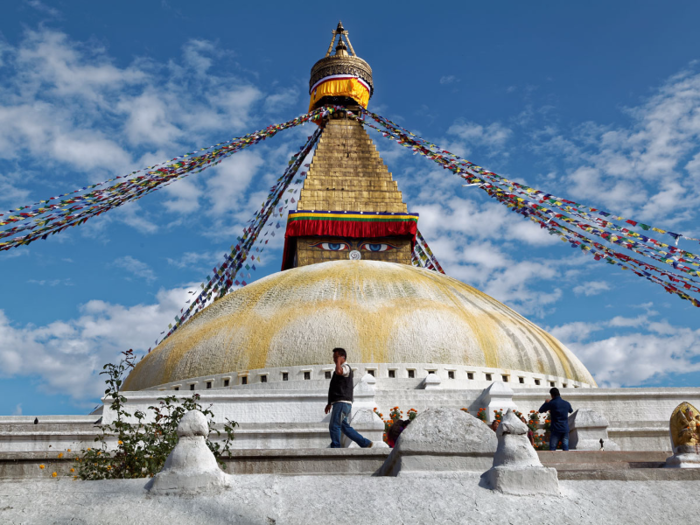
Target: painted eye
376	247
331	246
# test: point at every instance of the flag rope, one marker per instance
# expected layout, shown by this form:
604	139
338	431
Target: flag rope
519	198
47	217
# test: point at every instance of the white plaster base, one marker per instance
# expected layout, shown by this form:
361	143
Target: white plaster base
683	461
523	481
291	500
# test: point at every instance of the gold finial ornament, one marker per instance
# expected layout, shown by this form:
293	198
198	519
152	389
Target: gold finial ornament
342	79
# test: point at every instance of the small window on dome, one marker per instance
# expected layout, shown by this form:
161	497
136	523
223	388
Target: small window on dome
451	374
411	374
551	383
285	376
307	376
505	378
328	374
488	377
192	386
392	373
537	382
177	388
244	380
470	375
208	384
565	385
227	382
521	380
263	379
371	372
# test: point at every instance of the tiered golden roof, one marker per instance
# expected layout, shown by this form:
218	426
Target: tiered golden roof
347	173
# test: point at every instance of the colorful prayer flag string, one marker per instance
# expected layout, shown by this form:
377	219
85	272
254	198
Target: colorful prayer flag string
225	276
423	256
519	198
54	215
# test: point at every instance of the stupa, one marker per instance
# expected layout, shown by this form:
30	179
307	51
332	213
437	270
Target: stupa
415	337
347	281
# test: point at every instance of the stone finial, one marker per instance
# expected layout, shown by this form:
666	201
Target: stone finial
440	440
498	396
516	467
192	424
514	448
432	382
364	392
587	429
191	467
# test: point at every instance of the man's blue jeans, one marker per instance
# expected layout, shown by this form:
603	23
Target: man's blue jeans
339	423
556	437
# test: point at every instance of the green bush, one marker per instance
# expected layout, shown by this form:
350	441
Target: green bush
142	447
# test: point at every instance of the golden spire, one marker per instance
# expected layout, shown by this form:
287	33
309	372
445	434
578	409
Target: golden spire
342	79
340	30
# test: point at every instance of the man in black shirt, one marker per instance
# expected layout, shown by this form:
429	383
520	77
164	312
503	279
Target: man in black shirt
340	402
559	411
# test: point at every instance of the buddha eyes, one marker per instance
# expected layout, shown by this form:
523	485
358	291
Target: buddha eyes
343	246
376	247
332	246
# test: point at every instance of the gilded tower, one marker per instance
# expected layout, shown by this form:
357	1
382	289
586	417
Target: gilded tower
395	320
350	207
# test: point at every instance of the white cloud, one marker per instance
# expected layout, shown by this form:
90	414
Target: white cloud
43	8
69	104
51	282
68	355
281	100
494	136
196	259
591	288
655	350
18	410
227	186
448	79
136	267
198	55
638	170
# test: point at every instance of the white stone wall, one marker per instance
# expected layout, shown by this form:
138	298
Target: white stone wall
452	376
293	418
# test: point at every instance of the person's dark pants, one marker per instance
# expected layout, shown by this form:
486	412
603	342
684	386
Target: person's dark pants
556	437
339	423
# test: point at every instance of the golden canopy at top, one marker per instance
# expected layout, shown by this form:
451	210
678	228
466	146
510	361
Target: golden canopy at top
342	78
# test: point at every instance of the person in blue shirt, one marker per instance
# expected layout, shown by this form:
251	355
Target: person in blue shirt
559	411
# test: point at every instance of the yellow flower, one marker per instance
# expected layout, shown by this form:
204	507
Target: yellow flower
120	442
67	450
60	455
88	448
42	467
54	475
72	470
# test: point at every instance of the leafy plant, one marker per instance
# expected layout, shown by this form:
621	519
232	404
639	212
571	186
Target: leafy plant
143	445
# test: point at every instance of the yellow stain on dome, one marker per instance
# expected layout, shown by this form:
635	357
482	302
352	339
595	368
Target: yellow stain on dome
380	312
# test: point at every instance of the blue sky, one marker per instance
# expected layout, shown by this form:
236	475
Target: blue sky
598	102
